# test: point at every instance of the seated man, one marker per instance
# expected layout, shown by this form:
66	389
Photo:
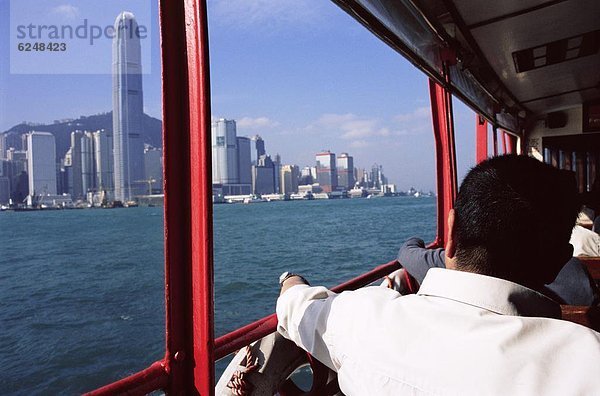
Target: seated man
478	327
573	285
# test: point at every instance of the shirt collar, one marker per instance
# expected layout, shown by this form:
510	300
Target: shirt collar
493	294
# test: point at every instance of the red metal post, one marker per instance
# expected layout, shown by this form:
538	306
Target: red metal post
443	131
188	197
509	143
482	138
200	196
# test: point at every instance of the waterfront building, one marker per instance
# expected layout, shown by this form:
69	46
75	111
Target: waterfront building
23	142
88	166
3	145
326	171
104	161
345	171
257	148
14	169
377	178
224	152
263	176
72	164
4	182
277	173
13	154
314	188
8	140
231	159
153	162
306	176
41	163
290	175
128	108
244	156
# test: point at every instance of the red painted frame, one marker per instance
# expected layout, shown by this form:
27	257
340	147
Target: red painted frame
445	155
481	132
188	365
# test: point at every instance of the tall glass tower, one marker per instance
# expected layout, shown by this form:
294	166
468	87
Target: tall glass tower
128	107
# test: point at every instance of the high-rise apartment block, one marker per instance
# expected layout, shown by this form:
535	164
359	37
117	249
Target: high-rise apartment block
104	161
345	171
244	154
88	164
326	171
231	158
263	176
41	163
153	162
224	152
257	148
290	176
128	108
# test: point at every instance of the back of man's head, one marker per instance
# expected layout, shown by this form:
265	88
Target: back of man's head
513	219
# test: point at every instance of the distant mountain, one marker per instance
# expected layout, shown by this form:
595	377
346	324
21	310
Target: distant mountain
152	133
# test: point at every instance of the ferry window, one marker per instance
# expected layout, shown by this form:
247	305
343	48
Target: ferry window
81	260
577	153
464	131
313	110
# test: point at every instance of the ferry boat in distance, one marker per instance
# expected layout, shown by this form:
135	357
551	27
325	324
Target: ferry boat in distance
529	69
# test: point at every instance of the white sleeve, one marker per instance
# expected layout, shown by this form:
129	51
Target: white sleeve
302	317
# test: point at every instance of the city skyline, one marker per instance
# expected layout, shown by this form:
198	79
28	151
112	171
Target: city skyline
236	158
368	101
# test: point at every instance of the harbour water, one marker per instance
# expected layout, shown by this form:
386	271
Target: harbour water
82	291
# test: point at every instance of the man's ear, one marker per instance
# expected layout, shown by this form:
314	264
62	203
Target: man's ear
451	241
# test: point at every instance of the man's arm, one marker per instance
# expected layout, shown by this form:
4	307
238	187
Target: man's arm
417	259
302	313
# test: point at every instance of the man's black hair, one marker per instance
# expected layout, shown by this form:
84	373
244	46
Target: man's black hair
513	219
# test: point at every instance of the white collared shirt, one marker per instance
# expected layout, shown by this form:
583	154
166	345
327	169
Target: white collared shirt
585	242
462	334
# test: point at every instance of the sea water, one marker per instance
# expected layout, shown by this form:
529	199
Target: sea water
82	291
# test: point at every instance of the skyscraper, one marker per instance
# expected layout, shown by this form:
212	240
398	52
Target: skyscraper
290	174
224	152
244	163
88	165
73	166
3	145
9	140
103	157
257	148
326	171
41	163
345	171
153	161
128	107
263	176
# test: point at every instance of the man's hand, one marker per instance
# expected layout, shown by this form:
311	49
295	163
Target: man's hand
292	281
397	281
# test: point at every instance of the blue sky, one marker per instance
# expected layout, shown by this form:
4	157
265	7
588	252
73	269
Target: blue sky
301	73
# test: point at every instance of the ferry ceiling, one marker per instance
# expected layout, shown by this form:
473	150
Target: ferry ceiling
512	61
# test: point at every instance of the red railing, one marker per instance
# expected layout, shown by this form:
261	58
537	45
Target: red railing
153	378
157	376
243	336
